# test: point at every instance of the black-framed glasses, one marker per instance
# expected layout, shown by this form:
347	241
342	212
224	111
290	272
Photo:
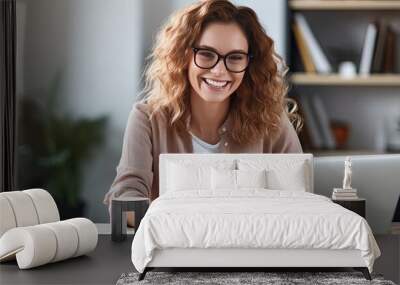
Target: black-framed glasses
234	61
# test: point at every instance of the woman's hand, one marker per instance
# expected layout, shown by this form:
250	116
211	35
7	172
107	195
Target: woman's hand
130	217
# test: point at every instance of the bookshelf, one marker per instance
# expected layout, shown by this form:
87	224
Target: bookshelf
390	80
322	35
302	5
345	152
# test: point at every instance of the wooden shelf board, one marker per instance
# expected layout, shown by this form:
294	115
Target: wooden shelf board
344	5
343	152
335	79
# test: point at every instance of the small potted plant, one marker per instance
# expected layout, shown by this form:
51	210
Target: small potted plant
52	147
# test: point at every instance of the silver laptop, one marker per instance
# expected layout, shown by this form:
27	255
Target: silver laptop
376	177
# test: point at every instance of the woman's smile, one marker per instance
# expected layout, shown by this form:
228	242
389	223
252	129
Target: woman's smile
216	85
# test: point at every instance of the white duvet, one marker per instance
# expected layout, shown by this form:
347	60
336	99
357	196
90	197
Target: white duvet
252	218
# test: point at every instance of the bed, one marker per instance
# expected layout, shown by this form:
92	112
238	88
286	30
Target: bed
247	210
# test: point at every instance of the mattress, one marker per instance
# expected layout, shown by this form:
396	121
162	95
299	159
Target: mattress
250	219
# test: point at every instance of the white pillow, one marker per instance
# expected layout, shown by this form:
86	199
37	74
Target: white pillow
223	179
282	174
181	178
251	178
293	179
189	175
236	179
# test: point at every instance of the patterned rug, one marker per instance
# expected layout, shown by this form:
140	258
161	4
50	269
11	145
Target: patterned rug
243	278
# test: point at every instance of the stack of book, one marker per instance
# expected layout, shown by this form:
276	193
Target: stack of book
344	194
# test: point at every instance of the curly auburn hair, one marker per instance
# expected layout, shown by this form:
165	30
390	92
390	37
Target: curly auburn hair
258	103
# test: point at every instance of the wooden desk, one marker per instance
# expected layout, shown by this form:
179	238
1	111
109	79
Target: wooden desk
110	259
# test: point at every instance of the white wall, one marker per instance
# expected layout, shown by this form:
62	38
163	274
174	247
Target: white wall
96	45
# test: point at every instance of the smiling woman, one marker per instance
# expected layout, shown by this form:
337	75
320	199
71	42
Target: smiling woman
212	86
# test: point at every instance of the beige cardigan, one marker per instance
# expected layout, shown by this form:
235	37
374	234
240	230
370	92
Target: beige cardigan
145	139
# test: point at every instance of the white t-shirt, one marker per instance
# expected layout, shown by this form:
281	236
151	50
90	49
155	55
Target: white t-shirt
200	146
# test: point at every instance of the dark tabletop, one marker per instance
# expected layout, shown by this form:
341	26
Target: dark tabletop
110	259
104	265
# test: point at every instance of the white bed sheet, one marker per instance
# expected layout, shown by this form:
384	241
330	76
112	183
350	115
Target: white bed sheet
250	218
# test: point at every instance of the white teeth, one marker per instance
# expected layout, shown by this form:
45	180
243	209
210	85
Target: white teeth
216	83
